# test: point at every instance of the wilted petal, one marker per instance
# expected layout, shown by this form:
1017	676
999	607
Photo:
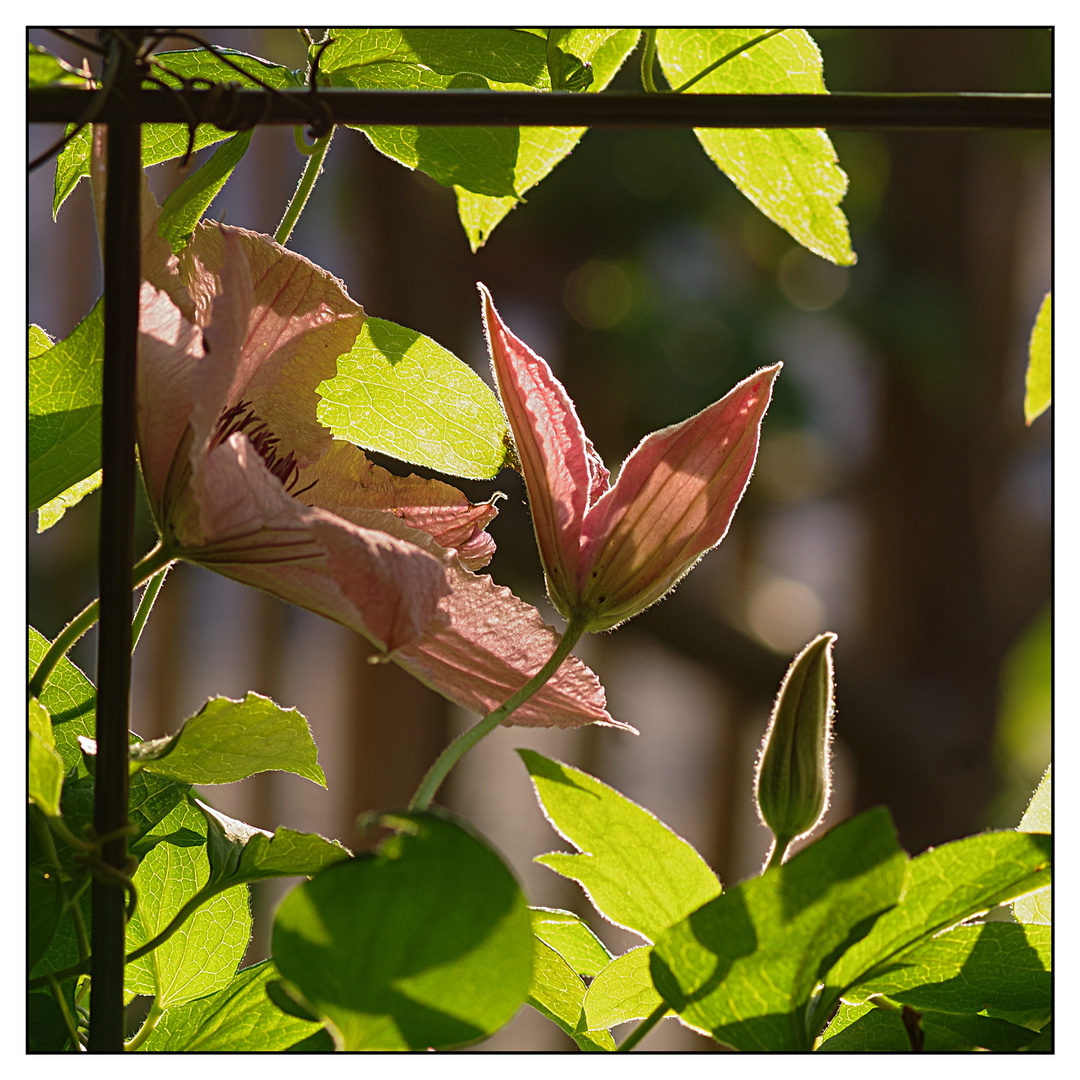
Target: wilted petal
673	500
346	480
560	472
363	578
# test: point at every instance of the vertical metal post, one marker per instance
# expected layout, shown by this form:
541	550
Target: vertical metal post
115	552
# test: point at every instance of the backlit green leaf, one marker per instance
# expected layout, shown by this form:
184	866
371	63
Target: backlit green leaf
64	433
622	991
1038	906
70	698
1040	369
744	966
403	394
540	149
868	1029
44	906
943	887
203	955
44	69
187	204
163	142
425	943
634	869
996	968
229	740
791	175
558	992
55	509
569	935
45	764
238	1019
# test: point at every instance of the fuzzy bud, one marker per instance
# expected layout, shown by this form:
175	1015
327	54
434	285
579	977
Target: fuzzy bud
793	771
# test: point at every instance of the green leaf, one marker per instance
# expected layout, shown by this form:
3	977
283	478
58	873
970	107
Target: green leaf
1040	369
558	993
46	765
634	869
403	394
44	69
995	968
569	935
54	509
1038	906
229	740
240	853
240	1018
70	699
791	175
46	1032
489	168
187	204
868	1029
744	966
163	142
943	887
540	149
425	943
44	906
64	433
622	991
203	955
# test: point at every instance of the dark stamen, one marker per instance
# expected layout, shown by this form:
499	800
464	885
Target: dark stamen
240	418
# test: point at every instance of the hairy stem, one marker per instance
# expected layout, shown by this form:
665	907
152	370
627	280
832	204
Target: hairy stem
311	172
779	850
643	1028
729	56
648	62
467	740
147	1029
155	561
146	604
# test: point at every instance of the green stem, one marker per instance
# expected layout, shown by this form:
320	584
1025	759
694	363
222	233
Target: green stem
146	604
643	1028
303	189
147	1029
730	56
156	560
468	739
648	62
776	857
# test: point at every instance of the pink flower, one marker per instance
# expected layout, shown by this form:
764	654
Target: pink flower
609	551
235	336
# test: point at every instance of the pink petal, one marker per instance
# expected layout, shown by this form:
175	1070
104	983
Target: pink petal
673	500
255	532
345	480
487	648
169	353
558	462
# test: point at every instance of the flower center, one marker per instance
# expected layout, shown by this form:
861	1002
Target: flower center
243	418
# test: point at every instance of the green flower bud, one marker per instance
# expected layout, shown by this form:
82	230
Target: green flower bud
793	771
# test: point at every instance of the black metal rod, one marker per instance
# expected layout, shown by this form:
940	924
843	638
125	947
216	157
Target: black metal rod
115	560
239	109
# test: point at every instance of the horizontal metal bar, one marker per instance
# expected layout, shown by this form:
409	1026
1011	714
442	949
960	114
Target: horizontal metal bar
237	109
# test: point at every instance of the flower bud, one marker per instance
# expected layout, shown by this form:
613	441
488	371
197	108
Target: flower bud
793	772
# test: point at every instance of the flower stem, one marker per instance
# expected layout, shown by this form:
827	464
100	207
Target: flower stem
644	1028
468	739
776	856
648	62
154	562
307	181
146	604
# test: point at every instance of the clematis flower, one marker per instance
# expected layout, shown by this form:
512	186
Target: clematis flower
609	551
235	335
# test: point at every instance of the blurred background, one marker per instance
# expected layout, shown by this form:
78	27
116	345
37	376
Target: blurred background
899	500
